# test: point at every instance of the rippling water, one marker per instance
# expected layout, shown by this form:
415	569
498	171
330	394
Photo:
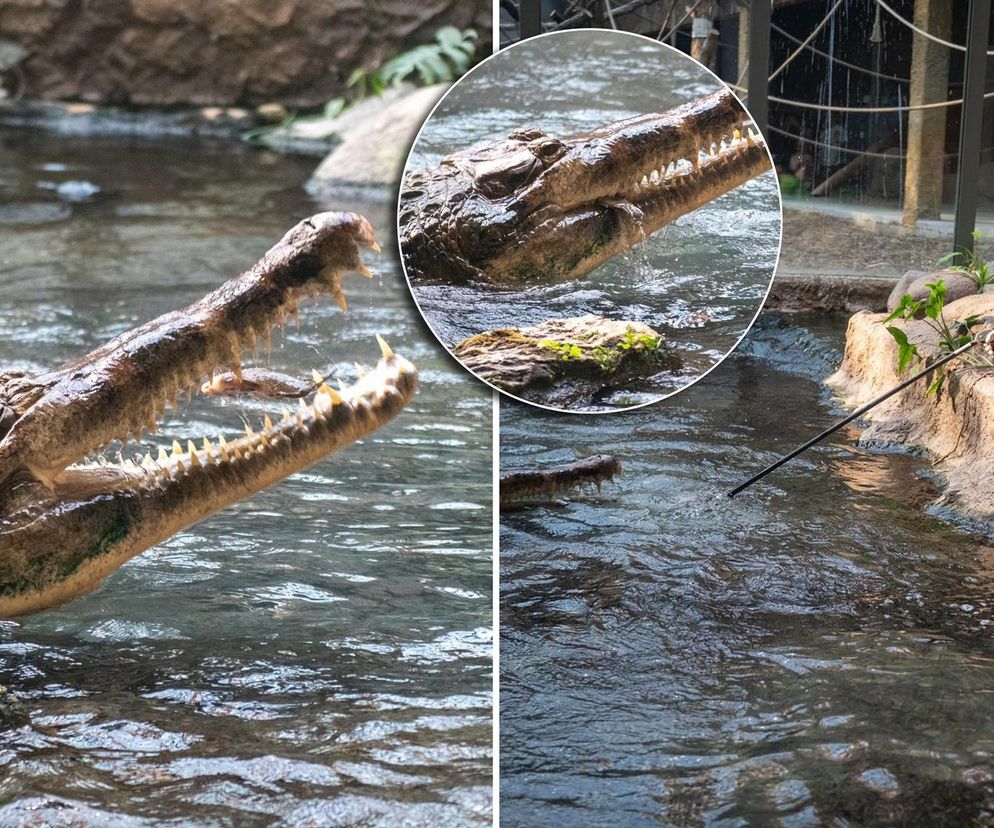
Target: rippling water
816	652
319	653
718	259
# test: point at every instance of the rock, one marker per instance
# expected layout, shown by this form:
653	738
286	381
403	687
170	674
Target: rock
958	285
566	363
954	426
318	135
375	141
238	52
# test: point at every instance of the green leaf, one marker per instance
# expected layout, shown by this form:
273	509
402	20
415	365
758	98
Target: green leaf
905	309
936	385
936	299
906	351
334	107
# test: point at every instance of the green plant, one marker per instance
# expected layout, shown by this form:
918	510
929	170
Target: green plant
632	340
566	349
968	262
951	337
448	57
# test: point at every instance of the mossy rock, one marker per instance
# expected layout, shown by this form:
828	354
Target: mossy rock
567	363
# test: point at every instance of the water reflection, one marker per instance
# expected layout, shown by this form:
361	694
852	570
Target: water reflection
817	651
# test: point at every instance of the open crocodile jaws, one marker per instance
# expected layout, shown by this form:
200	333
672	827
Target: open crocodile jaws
65	525
534	208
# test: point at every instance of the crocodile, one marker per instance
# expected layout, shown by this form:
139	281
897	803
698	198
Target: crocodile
532	208
519	485
68	519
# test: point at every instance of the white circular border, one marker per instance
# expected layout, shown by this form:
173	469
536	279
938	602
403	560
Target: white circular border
608	411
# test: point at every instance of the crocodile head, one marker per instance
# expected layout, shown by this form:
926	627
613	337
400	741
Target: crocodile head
533	208
519	485
66	521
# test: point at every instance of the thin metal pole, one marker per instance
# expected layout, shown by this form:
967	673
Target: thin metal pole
971	124
530	23
859	412
759	61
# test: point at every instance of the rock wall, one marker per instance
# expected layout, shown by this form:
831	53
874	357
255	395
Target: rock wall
955	428
218	52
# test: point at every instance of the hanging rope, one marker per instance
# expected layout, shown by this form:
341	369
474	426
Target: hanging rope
857	109
922	32
841	62
801	138
808	39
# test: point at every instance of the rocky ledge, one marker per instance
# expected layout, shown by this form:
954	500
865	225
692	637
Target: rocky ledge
954	427
567	363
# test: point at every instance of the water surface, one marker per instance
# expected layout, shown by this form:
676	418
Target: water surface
714	264
817	651
319	653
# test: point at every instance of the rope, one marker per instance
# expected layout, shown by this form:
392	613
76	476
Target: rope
610	14
922	32
807	40
770	128
841	62
857	109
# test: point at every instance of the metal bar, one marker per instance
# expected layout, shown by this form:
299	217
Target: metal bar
530	23
759	61
859	412
971	124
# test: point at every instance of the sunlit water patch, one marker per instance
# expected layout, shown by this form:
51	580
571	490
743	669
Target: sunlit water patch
319	653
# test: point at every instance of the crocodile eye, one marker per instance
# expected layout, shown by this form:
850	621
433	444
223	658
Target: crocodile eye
548	149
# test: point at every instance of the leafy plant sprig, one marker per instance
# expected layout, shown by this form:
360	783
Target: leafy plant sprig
951	336
969	263
448	57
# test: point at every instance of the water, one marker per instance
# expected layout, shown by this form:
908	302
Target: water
717	260
318	653
818	649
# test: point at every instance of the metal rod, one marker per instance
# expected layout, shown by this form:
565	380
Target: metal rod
530	22
971	124
859	412
759	61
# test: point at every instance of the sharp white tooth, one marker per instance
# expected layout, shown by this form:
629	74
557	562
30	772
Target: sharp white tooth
330	393
360	371
655	177
342	387
177	450
268	423
194	459
248	430
208	446
645	181
148	462
180	468
224	446
318	379
286	415
737	135
190	448
302	404
386	349
163	457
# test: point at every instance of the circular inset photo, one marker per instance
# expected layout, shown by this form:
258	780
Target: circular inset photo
589	221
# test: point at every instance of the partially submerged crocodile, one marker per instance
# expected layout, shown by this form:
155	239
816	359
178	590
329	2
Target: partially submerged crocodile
533	208
66	523
520	485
